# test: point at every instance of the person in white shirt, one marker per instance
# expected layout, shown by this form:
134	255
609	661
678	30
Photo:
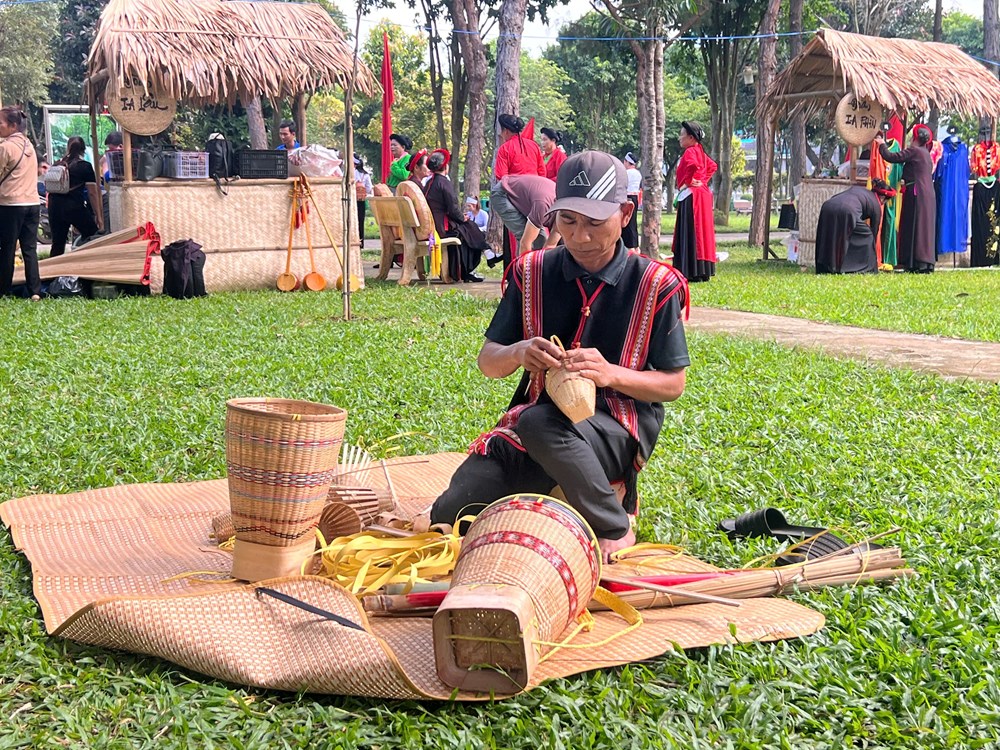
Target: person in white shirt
364	190
633	187
475	212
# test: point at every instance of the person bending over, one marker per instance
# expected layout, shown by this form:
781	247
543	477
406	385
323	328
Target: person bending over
619	315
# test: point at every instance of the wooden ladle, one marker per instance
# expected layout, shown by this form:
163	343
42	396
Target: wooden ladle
313	280
288	281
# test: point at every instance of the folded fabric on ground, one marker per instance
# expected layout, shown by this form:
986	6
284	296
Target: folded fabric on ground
105	566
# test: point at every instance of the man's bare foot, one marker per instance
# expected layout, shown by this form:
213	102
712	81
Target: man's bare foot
610	546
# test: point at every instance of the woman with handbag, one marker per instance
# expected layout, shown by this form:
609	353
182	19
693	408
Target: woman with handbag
77	203
19	209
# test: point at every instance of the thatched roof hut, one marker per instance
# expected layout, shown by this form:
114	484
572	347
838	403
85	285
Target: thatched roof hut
214	51
900	74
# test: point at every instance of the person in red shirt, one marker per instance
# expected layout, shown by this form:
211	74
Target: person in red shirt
516	155
552	153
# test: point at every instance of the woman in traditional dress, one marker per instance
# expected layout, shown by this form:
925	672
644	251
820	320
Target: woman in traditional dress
694	230
552	153
449	221
845	243
630	233
918	219
417	168
516	155
399	147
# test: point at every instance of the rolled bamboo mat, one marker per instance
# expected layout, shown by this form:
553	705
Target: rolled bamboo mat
115	264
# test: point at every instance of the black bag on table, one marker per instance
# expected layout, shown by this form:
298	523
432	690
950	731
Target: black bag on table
183	269
149	163
788	217
221	157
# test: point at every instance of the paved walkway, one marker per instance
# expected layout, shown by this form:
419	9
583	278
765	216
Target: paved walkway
949	358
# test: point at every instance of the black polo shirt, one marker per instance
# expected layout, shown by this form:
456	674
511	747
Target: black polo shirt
605	329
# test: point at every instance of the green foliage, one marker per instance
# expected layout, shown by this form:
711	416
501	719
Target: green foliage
26	36
133	390
543	86
325	118
600	84
413	111
964	31
193	125
77	27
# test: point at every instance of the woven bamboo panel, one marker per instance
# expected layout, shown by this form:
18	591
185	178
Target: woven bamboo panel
814	194
244	234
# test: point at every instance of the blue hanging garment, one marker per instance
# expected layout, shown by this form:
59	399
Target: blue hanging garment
951	181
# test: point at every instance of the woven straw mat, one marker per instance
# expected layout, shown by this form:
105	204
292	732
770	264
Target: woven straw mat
101	561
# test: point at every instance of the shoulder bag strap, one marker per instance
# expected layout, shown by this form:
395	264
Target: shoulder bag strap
24	148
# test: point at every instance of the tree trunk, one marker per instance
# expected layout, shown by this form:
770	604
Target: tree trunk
277	115
508	86
459	100
437	76
465	16
299	109
991	40
722	62
255	121
797	167
646	104
652	142
767	66
934	116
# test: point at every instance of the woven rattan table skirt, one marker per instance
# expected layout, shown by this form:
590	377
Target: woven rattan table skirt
244	233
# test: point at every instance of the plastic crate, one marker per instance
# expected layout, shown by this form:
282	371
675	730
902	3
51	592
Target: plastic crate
255	164
185	165
116	163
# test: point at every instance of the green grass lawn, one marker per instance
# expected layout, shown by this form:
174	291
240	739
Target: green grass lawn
737	224
963	304
133	390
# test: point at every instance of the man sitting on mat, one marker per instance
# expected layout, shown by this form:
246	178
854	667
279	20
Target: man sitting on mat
625	335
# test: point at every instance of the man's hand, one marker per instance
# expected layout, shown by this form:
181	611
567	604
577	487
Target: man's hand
538	354
591	364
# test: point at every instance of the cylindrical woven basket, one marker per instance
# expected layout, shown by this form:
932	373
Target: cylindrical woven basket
281	456
574	394
529	565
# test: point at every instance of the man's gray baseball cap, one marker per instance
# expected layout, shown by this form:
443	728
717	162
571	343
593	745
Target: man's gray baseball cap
591	183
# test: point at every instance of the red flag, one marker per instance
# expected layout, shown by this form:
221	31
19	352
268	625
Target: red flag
529	130
388	98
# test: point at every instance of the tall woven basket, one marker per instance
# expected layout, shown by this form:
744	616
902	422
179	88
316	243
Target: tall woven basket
281	457
529	566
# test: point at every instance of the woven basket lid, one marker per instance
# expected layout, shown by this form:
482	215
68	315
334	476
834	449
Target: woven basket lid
858	119
140	112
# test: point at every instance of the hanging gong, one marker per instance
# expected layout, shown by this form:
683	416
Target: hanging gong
140	111
858	119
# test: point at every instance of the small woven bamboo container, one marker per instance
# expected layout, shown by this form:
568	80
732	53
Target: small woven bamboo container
281	456
574	394
529	566
368	503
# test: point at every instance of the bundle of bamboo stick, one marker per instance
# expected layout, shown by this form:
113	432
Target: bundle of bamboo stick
851	566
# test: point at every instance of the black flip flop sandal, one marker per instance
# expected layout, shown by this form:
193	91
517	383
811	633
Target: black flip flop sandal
766	522
771	522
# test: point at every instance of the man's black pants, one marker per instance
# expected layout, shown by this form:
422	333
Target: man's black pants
19	224
582	459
